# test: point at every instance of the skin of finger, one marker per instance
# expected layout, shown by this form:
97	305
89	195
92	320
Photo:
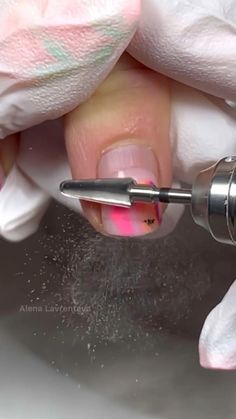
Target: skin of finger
132	105
8	152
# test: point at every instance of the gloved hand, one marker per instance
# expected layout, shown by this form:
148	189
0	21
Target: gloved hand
180	39
53	57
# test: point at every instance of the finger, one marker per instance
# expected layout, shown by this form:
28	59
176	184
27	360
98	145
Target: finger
192	42
22	203
22	206
55	54
123	131
202	131
217	346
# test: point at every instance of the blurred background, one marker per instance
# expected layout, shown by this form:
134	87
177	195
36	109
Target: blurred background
106	328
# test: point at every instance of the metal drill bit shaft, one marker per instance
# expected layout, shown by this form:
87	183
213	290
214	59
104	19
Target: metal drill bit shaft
123	192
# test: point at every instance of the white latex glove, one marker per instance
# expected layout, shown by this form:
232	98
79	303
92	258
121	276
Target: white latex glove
53	57
193	43
178	38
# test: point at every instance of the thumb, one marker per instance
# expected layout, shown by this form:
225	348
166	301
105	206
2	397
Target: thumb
123	131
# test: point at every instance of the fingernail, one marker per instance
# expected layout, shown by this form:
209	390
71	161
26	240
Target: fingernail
2	177
138	162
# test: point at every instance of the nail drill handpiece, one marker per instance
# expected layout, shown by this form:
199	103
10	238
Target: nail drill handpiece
212	198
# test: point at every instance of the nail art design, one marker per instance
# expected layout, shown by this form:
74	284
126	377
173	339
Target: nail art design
139	220
139	163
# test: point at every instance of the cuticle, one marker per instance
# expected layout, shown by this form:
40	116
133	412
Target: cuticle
125	143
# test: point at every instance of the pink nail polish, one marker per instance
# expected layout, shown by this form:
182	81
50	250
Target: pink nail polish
2	177
138	162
